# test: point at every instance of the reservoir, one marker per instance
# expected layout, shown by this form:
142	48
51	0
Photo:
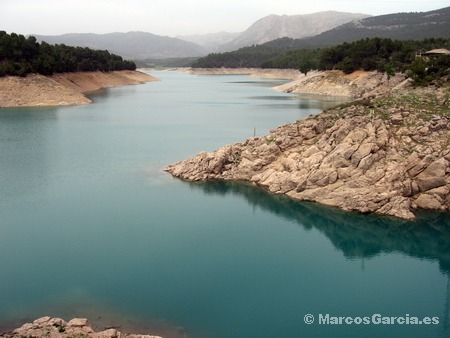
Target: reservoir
91	226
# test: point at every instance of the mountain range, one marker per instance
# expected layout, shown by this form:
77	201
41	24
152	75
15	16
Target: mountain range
293	26
311	30
211	42
131	45
400	26
141	45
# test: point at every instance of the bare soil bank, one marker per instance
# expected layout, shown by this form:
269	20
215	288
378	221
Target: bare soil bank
63	89
289	74
332	83
335	83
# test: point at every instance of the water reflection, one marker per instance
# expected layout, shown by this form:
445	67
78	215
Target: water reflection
265	83
355	235
302	101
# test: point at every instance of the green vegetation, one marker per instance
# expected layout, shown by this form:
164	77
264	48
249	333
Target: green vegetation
60	328
424	106
20	56
377	54
381	54
430	69
369	54
252	56
301	59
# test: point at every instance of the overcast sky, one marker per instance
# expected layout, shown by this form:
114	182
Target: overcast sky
175	17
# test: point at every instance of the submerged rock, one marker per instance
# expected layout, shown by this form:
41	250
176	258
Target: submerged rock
367	158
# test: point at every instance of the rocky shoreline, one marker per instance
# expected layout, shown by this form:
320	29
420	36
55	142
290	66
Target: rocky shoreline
332	83
388	155
63	89
59	328
358	84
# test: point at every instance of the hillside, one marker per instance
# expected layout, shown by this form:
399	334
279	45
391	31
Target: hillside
131	45
402	26
63	89
294	26
20	56
285	52
379	54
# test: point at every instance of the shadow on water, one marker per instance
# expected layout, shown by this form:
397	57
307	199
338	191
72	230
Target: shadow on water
355	235
265	83
303	101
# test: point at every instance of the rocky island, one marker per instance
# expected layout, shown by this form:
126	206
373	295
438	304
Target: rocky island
387	154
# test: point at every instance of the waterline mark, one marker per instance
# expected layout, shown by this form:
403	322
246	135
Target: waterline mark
375	319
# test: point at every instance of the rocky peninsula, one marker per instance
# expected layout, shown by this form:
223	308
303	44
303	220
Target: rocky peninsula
59	328
387	154
63	89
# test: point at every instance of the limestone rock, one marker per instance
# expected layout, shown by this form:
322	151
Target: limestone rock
78	322
58	328
354	157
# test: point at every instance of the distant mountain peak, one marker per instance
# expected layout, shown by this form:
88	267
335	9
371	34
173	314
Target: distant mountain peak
402	26
275	26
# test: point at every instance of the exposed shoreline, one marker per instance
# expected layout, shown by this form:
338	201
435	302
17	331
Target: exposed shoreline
288	74
330	83
386	153
63	89
59	328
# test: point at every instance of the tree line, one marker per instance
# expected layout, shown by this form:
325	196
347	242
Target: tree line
377	54
380	54
20	55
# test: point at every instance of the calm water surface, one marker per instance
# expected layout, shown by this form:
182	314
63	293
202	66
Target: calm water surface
91	226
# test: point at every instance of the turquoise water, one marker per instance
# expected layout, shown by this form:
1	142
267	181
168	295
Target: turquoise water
90	225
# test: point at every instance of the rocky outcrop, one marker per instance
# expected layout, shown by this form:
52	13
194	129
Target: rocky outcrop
62	89
389	156
58	328
336	83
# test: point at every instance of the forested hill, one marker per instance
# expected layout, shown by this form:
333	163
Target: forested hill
400	26
20	56
368	54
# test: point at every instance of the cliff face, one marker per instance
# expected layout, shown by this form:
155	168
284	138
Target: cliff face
389	156
62	89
